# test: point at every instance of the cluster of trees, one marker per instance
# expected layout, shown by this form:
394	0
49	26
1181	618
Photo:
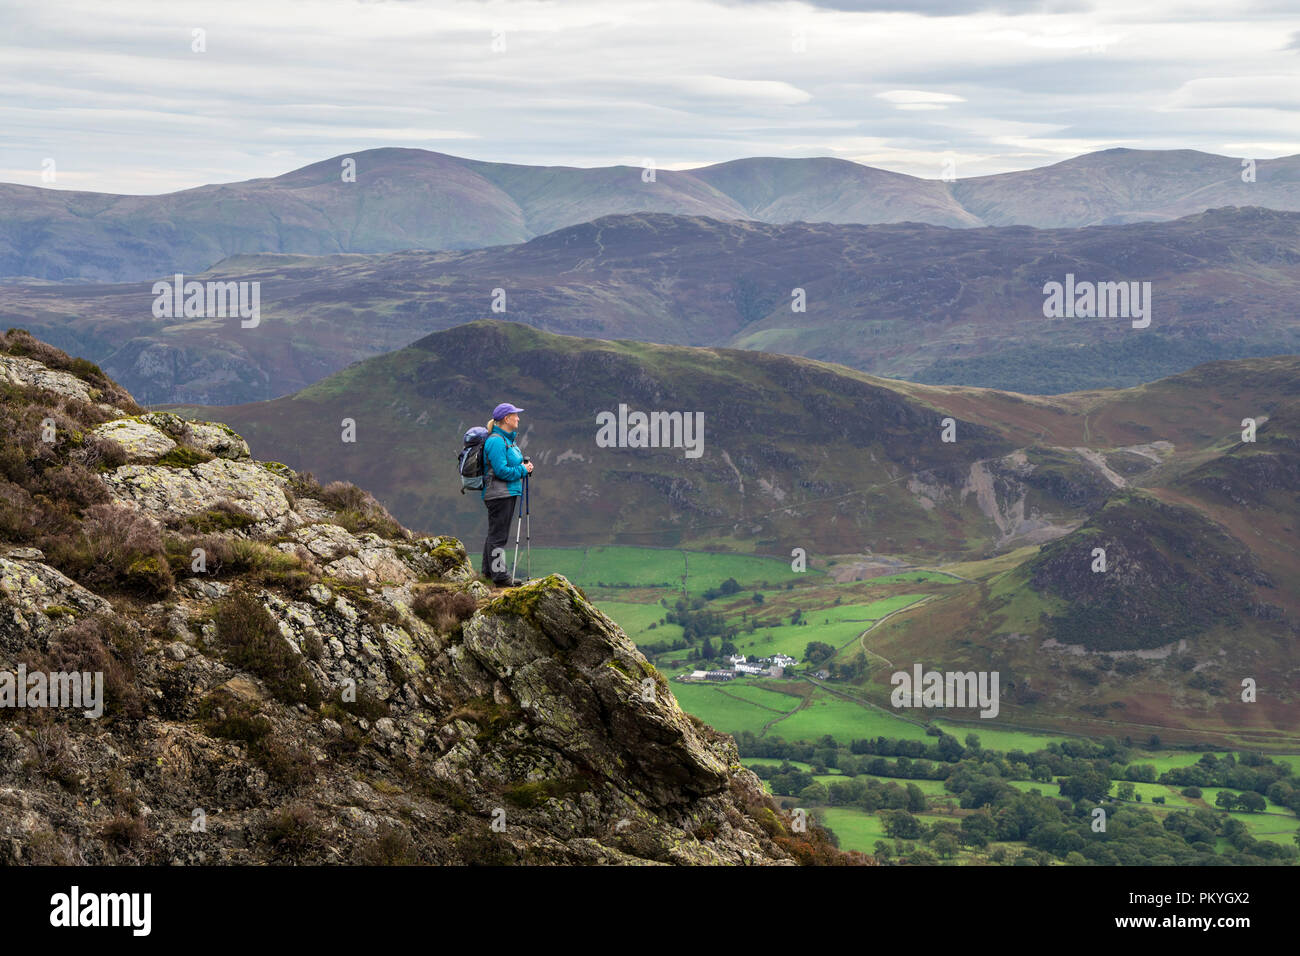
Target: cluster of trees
1127	790
862	792
698	624
663	647
944	748
1063	827
817	651
1249	801
848	671
726	589
1245	772
708	651
1054	828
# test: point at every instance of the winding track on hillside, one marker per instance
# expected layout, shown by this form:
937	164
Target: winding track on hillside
862	638
836	692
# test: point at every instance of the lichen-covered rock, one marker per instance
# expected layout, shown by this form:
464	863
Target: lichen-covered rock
313	511
204	589
25	554
140	440
327	541
16	370
441	557
366	557
570	668
171	494
212	437
37	601
219	440
148	437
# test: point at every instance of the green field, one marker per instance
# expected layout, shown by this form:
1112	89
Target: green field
913	576
1173	796
633	617
1172	760
747	705
793	639
836	626
635	620
1270	826
855	829
751	689
654	567
775	762
845	721
863	614
1027	786
859	830
994	739
1173	799
878	609
724	711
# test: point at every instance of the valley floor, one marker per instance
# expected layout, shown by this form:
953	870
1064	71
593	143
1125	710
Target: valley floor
692	611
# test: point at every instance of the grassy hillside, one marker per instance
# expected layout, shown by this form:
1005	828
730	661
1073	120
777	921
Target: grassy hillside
796	454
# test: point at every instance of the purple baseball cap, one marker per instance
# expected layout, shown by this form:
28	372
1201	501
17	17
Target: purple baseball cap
502	410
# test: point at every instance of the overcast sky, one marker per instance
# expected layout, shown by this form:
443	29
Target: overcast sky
115	95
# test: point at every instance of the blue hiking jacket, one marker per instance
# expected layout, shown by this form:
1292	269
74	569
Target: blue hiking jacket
505	465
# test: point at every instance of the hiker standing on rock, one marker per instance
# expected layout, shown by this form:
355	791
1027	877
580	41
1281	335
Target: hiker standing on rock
504	468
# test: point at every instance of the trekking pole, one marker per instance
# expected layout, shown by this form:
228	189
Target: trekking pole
528	529
518	527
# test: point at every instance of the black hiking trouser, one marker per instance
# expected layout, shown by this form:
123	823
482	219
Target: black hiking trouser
500	511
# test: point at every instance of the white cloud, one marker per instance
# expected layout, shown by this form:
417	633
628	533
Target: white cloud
1276	91
916	100
727	88
116	95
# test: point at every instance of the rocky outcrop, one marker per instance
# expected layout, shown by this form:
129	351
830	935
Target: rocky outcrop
140	440
16	370
37	601
149	437
176	493
218	439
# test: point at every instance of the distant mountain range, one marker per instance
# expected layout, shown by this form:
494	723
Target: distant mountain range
928	303
416	199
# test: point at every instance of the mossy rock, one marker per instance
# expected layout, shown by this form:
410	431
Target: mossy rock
219	519
183	456
537	792
523	600
451	551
